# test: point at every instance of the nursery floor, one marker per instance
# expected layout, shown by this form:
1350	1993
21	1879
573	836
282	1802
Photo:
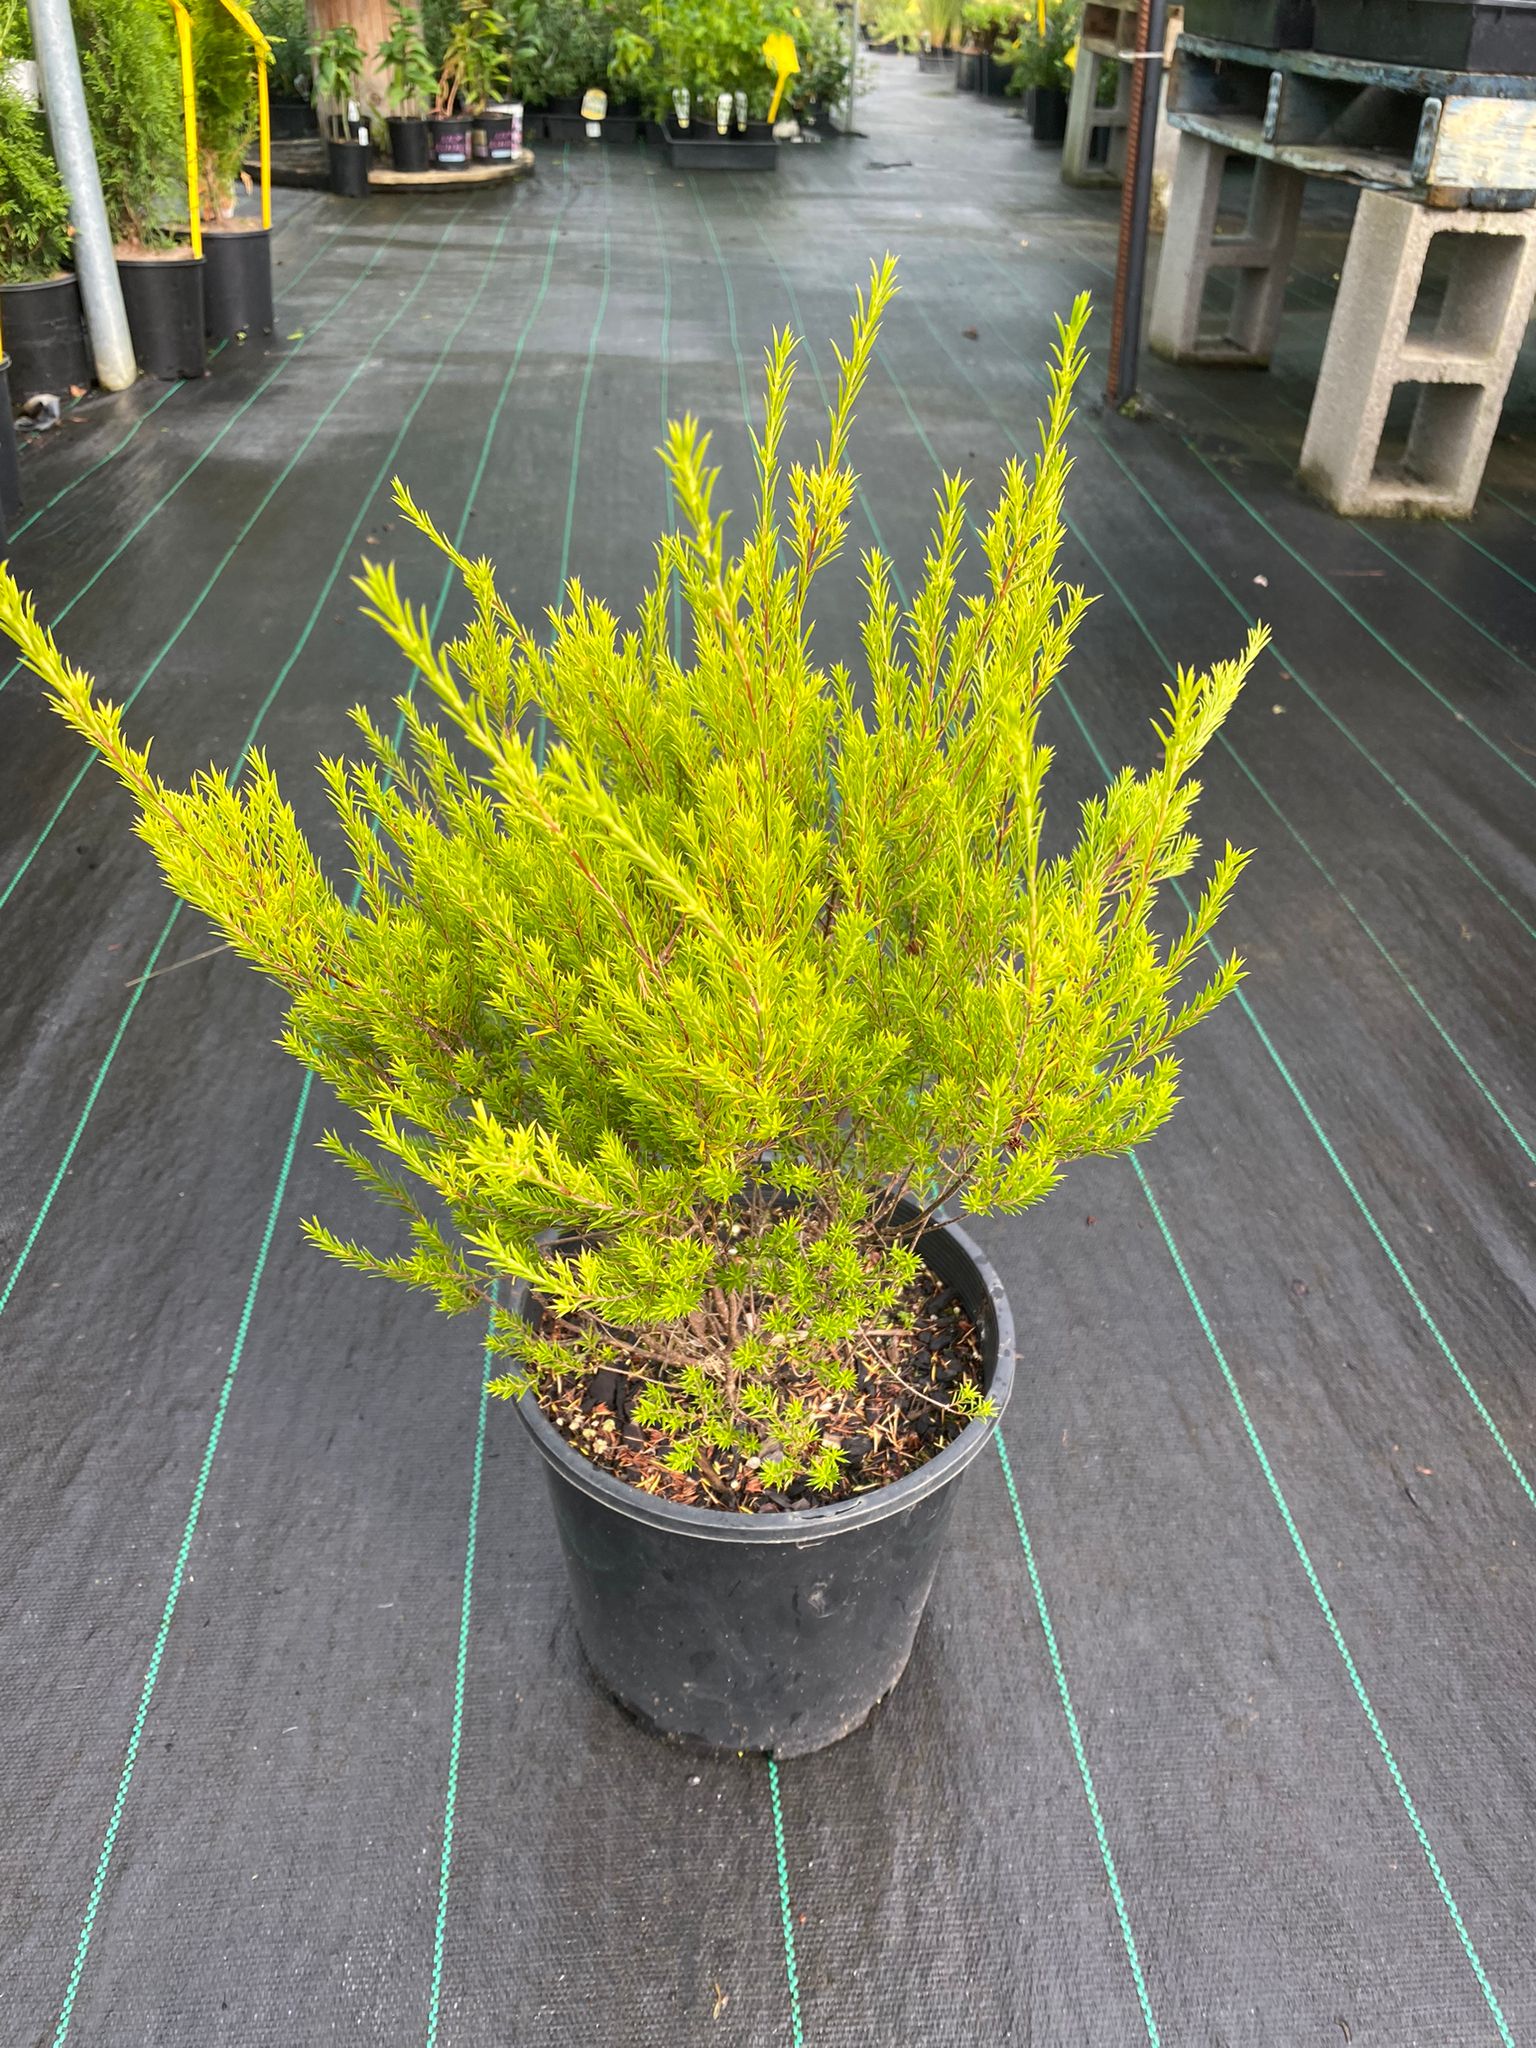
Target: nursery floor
1222	1726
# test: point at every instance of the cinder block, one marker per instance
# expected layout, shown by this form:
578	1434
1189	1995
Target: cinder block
1085	117
1462	364
1260	252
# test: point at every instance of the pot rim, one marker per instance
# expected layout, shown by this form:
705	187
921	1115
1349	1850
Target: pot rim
802	1525
40	284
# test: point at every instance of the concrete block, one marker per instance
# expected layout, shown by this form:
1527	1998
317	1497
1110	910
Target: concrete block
1461	362
1259	252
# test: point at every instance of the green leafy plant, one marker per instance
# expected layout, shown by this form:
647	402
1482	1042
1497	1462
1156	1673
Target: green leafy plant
990	23
748	953
336	68
710	47
571	49
894	22
130	69
941	22
1042	59
402	55
224	65
821	43
476	66
34	211
285	27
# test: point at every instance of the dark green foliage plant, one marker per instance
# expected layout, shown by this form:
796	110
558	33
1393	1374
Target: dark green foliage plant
752	951
709	47
224	64
34	211
286	28
567	47
131	72
402	56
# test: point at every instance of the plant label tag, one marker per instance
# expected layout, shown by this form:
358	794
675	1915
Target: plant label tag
594	105
724	106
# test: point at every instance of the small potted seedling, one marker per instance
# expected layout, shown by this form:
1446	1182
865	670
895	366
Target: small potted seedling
402	57
686	988
336	63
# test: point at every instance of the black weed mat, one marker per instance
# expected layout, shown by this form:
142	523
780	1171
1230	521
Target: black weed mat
1221	1728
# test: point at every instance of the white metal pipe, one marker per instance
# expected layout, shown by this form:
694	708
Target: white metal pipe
58	63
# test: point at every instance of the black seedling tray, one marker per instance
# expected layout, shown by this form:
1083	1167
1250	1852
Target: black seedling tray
1446	35
700	149
1261	24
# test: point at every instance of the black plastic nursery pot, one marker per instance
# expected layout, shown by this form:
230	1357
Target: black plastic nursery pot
292	120
561	121
351	162
237	282
776	1633
163	294
44	329
1262	24
497	135
700	148
10	466
968	71
936	62
1048	114
410	144
450	141
1449	35
995	77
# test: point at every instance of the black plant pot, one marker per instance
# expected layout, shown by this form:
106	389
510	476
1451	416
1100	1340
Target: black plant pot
292	120
968	71
350	164
702	148
935	62
995	77
45	337
164	300
237	285
1048	114
410	144
498	133
10	467
775	1633
450	141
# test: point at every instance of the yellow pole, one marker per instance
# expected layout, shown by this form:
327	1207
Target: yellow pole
189	121
263	106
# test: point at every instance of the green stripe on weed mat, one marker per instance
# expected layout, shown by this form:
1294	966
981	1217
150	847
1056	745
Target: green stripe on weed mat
235	417
1356	1682
190	1528
165	397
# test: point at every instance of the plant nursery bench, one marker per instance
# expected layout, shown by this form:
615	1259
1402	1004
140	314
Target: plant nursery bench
1436	154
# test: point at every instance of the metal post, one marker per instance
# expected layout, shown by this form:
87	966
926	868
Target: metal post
853	66
1136	199
58	63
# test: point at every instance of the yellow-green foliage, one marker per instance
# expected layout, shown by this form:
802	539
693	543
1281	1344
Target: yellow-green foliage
747	929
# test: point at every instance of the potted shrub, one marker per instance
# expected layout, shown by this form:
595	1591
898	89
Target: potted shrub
1042	66
237	249
402	57
131	70
939	33
336	67
474	75
286	28
40	317
670	1044
820	86
566	49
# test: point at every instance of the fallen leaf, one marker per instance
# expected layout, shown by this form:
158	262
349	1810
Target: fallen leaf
1262	581
297	334
1278	710
971	333
78	390
1425	1471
